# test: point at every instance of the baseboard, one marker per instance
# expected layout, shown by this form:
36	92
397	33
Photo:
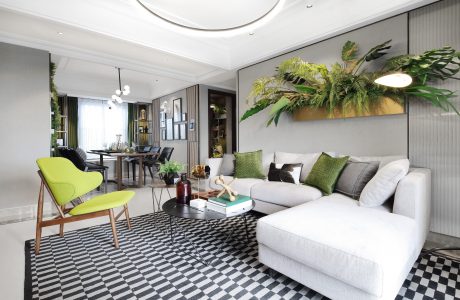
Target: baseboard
24	213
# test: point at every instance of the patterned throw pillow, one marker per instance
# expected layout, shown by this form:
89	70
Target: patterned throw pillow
285	172
325	172
249	165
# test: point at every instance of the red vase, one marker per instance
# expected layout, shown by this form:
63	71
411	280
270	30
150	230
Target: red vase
183	190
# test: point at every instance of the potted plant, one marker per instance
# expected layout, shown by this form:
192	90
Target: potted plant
169	171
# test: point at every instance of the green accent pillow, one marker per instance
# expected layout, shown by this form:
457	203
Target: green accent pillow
325	172
249	165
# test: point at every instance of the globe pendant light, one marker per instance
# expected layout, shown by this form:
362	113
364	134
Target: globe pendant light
119	92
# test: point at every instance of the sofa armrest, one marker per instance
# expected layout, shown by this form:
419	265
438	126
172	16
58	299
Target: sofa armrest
413	200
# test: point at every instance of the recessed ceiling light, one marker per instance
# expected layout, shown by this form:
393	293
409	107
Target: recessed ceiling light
60	32
309	5
251	33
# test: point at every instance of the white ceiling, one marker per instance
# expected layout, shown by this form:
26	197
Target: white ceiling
99	35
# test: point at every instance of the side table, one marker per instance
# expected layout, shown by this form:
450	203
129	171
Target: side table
157	200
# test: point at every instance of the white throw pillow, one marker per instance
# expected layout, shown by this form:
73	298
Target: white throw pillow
383	185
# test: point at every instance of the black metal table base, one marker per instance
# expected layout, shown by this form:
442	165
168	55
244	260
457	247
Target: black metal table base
429	251
175	227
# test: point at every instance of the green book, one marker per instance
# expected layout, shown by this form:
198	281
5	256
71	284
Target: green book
224	200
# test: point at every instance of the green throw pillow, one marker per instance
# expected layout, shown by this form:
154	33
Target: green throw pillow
325	172
249	165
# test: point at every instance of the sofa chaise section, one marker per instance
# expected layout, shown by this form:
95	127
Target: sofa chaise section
345	251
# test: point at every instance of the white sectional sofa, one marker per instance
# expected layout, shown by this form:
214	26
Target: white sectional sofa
330	243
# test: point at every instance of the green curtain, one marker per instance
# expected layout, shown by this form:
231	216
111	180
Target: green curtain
72	118
130	123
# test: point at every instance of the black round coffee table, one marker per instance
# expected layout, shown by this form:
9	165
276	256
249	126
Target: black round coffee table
180	211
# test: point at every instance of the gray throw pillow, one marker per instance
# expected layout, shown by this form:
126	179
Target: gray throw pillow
228	165
355	176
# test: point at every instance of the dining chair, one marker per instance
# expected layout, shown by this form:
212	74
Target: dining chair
156	161
77	158
66	184
134	160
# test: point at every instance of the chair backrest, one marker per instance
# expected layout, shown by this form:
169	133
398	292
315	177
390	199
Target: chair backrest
143	149
155	150
65	181
165	154
82	153
74	157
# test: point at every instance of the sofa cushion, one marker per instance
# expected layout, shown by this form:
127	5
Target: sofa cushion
227	168
249	165
355	176
285	194
289	173
383	185
325	172
241	185
307	160
384	160
362	247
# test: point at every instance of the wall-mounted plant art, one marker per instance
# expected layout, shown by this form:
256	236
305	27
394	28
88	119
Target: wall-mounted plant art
347	86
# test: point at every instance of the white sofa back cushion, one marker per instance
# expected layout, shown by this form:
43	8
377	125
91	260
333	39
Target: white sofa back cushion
384	160
307	159
383	185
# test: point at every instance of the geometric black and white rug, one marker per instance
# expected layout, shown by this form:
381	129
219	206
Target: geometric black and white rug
84	265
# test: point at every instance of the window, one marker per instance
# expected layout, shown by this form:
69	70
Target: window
98	125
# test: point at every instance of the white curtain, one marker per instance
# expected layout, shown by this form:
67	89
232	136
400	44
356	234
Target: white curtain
98	125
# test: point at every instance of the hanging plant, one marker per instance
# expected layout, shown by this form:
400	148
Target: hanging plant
56	116
299	84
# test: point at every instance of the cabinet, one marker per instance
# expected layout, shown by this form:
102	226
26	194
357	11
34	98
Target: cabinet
143	124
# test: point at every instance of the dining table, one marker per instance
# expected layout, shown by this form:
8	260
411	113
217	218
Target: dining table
119	163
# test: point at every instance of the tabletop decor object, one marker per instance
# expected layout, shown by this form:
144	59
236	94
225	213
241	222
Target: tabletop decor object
200	172
183	190
226	189
347	89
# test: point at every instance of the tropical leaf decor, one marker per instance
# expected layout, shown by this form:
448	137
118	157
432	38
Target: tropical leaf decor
299	84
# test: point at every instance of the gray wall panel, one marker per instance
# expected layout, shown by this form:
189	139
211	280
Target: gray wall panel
383	135
434	138
24	122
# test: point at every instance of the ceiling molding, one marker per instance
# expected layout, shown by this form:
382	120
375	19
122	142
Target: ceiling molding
219	60
92	56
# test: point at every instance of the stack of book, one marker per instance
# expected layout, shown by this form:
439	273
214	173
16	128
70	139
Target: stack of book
225	206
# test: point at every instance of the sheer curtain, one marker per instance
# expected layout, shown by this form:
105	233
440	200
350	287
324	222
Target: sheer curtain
98	125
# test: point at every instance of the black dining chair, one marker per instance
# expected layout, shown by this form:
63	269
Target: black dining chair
76	158
154	151
156	161
133	160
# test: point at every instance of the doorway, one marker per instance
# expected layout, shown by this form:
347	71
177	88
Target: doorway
222	123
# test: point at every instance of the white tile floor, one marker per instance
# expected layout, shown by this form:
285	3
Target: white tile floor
13	236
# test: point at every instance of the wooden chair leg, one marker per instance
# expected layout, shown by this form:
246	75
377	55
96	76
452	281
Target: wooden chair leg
61	226
114	228
127	216
38	229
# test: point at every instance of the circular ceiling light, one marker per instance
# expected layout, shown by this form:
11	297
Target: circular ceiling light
214	16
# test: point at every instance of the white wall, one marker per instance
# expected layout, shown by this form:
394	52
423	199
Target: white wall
204	121
359	136
24	123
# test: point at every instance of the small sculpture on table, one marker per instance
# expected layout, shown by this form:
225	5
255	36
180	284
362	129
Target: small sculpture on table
226	189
